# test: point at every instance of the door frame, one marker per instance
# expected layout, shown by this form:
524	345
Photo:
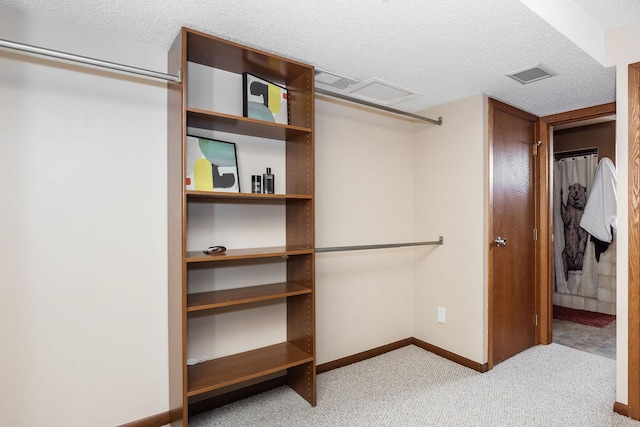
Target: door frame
633	375
545	235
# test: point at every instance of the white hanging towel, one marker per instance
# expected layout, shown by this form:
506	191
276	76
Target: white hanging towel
600	212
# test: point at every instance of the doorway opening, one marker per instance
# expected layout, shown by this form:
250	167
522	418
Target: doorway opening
583	284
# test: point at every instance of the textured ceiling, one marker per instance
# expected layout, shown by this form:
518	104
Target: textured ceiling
442	49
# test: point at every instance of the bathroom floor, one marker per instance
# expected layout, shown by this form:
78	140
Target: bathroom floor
600	341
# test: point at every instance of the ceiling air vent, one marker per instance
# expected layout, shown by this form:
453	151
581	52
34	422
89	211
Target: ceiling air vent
381	92
333	80
531	75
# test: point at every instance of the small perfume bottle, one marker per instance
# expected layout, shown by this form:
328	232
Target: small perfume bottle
268	182
256	184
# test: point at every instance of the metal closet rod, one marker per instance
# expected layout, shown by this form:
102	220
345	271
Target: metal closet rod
89	61
440	241
377	106
178	79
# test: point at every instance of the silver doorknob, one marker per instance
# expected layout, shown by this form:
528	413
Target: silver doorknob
500	241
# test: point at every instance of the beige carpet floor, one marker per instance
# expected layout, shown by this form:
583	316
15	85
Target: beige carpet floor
546	386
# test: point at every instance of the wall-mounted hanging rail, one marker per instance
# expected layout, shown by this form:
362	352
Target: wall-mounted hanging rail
575	153
89	61
377	106
440	241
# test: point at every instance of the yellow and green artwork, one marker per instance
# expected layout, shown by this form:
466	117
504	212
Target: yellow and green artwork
264	100
211	165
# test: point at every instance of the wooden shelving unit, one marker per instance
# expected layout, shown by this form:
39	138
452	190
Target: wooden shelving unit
294	358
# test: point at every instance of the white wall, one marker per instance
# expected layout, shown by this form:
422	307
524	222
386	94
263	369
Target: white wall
83	284
364	196
622	49
451	187
380	179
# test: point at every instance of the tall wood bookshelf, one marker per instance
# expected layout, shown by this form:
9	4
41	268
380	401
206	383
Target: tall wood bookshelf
295	357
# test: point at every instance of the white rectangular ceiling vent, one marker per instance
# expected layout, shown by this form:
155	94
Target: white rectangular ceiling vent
380	92
333	80
532	74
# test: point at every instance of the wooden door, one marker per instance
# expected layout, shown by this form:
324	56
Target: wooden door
512	290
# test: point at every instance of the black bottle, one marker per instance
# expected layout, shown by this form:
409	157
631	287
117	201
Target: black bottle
268	184
256	184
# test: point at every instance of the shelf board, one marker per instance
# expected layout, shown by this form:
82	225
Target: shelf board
245	196
204	119
228	297
233	254
225	371
215	52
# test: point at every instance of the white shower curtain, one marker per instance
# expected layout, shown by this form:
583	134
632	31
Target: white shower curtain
573	249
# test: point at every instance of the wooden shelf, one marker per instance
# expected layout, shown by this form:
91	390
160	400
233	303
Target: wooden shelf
251	253
246	196
214	52
204	119
225	371
228	297
294	144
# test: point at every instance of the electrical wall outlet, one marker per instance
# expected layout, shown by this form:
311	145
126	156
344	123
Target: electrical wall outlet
440	314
